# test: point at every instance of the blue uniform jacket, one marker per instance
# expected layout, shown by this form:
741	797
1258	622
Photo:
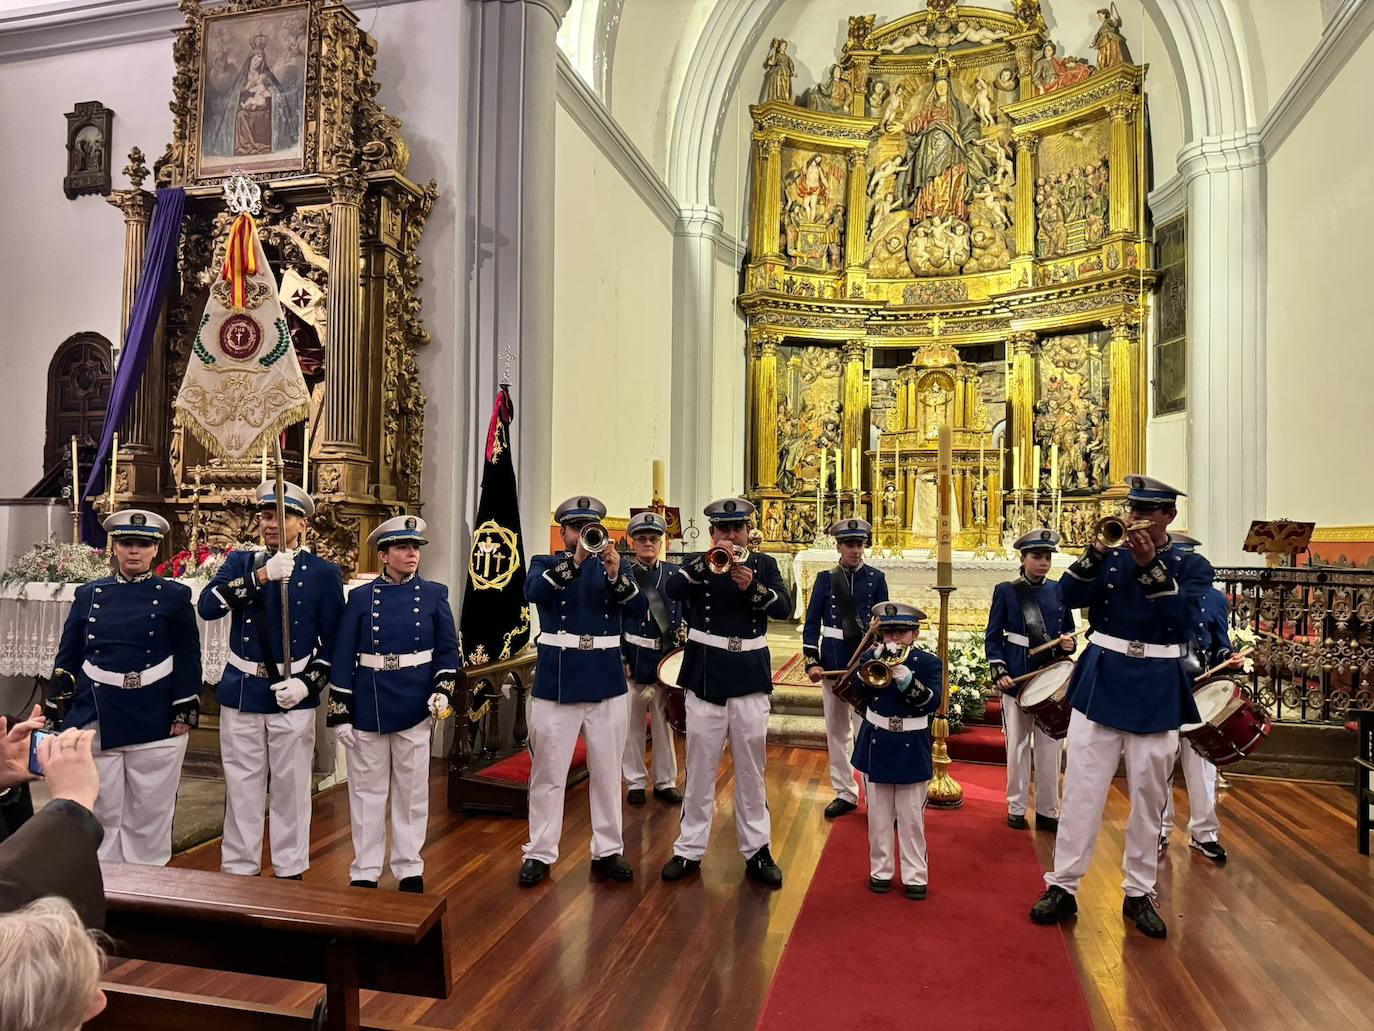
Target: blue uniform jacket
714	604
582	602
639	621
903	756
123	626
1154	604
389	618
1212	633
316	601
868	585
1006	617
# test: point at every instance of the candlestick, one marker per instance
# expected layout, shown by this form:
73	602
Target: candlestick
820	489
854	469
839	473
76	498
114	471
944	539
264	463
305	456
1054	466
1016	467
659	480
1035	468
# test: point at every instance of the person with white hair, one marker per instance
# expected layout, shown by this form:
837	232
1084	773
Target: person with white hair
50	968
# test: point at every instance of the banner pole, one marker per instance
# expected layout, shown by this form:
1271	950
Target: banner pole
281	546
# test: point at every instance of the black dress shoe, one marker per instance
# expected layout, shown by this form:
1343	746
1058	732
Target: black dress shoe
636	796
1046	823
761	867
879	885
1163	843
1054	905
1210	849
414	885
916	891
839	807
362	884
678	867
293	877
613	867
532	871
1140	909
669	796
1018	822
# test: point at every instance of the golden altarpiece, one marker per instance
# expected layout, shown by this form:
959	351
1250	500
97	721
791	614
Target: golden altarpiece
284	91
949	228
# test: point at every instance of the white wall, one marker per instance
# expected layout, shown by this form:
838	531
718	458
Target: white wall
1321	364
613	337
653	44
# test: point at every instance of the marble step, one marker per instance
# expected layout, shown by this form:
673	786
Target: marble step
798	731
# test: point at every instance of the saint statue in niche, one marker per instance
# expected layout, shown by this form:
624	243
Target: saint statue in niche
1110	42
777	73
939	155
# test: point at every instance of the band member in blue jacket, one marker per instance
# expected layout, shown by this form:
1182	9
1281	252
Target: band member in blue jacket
1026	613
395	663
1130	694
728	676
1211	646
650	630
267	714
579	688
893	749
837	615
129	667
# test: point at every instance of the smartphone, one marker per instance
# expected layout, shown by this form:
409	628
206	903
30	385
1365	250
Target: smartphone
36	767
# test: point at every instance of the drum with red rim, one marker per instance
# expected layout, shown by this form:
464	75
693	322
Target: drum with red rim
1232	725
674	697
1045	698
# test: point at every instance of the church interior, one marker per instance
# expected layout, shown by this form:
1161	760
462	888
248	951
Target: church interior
972	286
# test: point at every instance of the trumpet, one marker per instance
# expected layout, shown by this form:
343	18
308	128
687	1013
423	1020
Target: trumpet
876	672
723	557
1112	530
595	538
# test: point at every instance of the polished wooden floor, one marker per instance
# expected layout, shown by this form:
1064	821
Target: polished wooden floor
1281	937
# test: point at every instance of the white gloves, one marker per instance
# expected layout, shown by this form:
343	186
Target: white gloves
901	674
346	735
280	564
438	706
291	692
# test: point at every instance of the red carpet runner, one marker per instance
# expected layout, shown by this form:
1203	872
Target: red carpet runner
967	957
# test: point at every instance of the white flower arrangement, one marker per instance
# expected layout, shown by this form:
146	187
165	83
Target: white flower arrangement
969	678
49	561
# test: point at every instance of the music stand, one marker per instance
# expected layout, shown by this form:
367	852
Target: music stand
1275	538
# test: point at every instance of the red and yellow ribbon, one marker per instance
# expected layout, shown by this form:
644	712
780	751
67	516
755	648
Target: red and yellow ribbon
241	258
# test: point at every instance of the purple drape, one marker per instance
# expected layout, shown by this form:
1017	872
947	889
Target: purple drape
158	261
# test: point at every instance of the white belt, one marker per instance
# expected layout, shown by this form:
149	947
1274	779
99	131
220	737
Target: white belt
580	642
372	660
643	642
1136	649
729	644
895	723
151	675
259	669
832	631
1020	639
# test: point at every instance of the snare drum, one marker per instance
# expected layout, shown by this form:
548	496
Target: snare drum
1232	725
674	697
1044	698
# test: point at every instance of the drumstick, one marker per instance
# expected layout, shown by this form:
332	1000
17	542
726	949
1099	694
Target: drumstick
1220	666
1054	642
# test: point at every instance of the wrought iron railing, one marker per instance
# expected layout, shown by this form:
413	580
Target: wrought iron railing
1313	638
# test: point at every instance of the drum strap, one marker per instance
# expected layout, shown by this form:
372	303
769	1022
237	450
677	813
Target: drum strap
1031	614
649	580
849	611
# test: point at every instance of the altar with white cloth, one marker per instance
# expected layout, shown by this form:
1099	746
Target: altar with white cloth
911	578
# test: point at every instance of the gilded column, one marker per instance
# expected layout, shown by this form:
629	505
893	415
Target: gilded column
856	210
344	369
1126	403
1025	195
854	425
1022	397
771	216
1123	156
765	439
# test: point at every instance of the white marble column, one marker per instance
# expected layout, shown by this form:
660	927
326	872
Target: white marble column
509	248
1226	343
695	419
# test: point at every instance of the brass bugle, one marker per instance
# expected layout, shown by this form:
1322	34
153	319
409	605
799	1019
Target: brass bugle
876	673
1112	530
595	538
723	557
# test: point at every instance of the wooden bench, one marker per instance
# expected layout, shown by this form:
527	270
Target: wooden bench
1364	778
344	938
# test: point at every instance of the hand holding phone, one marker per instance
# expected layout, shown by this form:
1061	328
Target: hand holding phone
68	767
16	749
36	739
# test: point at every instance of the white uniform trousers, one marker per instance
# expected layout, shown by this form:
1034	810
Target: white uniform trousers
841	727
398	761
251	744
1094	751
905	803
1201	778
665	756
554	727
1021	731
744	721
138	795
